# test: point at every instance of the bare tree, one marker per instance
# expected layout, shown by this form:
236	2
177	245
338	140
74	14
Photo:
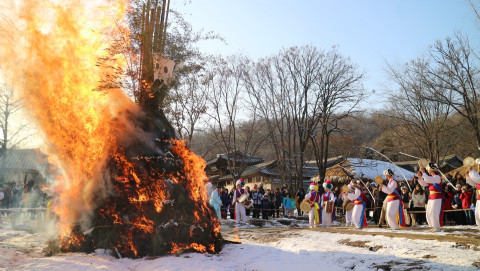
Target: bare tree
233	128
423	124
10	105
452	77
339	92
302	93
189	103
268	88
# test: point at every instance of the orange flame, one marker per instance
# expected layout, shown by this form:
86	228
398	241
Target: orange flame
54	58
59	44
193	246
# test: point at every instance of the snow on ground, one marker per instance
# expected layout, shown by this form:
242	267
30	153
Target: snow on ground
277	245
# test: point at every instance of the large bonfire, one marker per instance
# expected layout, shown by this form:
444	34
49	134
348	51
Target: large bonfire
128	185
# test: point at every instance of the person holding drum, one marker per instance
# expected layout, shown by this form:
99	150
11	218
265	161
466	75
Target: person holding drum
328	209
239	196
395	216
313	199
435	199
348	204
473	179
359	217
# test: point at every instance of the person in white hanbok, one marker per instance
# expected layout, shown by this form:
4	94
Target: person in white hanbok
473	179
436	197
394	214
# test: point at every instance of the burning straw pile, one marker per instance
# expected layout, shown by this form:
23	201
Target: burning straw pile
127	184
158	201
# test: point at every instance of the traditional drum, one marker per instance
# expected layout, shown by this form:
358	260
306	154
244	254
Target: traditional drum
378	180
349	206
469	161
305	206
345	189
423	162
329	207
242	198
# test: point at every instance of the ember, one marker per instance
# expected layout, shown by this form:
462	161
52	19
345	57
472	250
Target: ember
158	203
128	184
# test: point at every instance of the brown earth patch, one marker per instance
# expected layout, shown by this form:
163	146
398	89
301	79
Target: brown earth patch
400	265
361	244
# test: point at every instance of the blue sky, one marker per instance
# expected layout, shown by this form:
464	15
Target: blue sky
369	32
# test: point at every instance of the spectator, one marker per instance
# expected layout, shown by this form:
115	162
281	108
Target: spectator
257	203
449	178
17	195
232	204
286	192
2	194
271	198
33	199
458	179
7	200
294	205
339	205
457	204
266	203
250	196
418	198
449	217
336	191
226	201
321	190
300	198
383	212
261	189
278	201
377	203
466	198
284	189
288	205
406	203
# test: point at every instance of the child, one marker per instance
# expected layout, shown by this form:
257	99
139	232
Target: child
466	198
293	205
265	207
287	205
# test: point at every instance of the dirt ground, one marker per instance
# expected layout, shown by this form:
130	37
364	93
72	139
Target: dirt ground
469	239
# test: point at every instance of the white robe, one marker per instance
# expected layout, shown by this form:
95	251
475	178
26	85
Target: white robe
434	206
240	211
357	209
327	218
311	213
348	214
392	206
473	179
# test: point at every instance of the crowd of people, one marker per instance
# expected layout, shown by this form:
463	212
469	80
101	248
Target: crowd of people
21	196
265	203
425	199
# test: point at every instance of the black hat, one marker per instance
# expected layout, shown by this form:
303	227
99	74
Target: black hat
432	166
388	172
